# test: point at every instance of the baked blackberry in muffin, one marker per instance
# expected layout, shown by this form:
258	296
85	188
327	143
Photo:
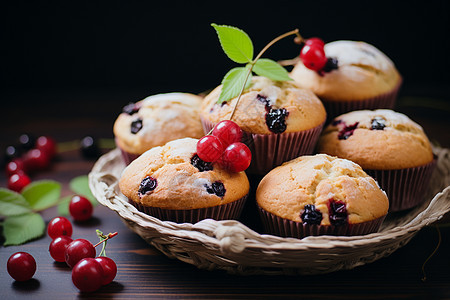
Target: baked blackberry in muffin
389	146
172	183
320	194
155	121
279	119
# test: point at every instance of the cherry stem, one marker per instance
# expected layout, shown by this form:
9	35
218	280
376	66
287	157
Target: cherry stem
424	278
109	236
252	63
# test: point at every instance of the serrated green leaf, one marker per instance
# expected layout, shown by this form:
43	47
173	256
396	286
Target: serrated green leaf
42	194
12	203
20	229
63	206
80	186
232	83
271	69
236	44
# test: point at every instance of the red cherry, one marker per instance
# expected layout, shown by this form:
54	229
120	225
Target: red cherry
18	181
15	166
21	266
87	275
209	148
315	41
47	145
228	132
80	208
313	57
236	157
77	250
109	269
59	226
57	248
36	159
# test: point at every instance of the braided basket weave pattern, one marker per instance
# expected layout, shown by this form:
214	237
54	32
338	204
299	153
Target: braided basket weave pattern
231	246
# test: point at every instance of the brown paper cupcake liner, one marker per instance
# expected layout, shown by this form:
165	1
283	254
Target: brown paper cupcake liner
227	211
337	108
271	150
405	188
127	157
286	228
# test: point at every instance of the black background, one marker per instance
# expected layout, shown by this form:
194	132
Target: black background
161	46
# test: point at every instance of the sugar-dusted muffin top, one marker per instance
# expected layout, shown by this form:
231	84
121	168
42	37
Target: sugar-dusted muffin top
158	119
380	139
363	72
335	191
268	107
173	177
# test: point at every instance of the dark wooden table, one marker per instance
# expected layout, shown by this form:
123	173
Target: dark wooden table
143	272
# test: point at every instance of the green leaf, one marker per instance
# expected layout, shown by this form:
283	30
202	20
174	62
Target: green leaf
236	44
42	194
63	206
232	83
12	203
80	186
20	229
271	69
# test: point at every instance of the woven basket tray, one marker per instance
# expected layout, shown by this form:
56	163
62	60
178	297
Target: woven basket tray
232	246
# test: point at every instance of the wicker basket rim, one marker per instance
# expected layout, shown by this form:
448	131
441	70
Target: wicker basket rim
232	235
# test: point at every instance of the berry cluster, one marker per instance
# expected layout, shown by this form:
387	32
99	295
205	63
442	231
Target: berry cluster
29	156
224	147
313	56
89	272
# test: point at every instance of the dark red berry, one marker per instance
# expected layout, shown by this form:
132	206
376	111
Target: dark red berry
310	215
337	211
313	57
77	250
27	141
264	100
130	108
12	152
217	188
36	159
57	248
201	165
315	41
89	148
147	185
21	266
228	132
136	126
47	145
59	226
15	166
18	181
87	275
236	157
378	123
276	120
209	148
332	64
80	208
109	269
347	130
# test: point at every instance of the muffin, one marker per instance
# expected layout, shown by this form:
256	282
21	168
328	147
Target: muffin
155	121
279	120
172	183
320	195
387	145
365	78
